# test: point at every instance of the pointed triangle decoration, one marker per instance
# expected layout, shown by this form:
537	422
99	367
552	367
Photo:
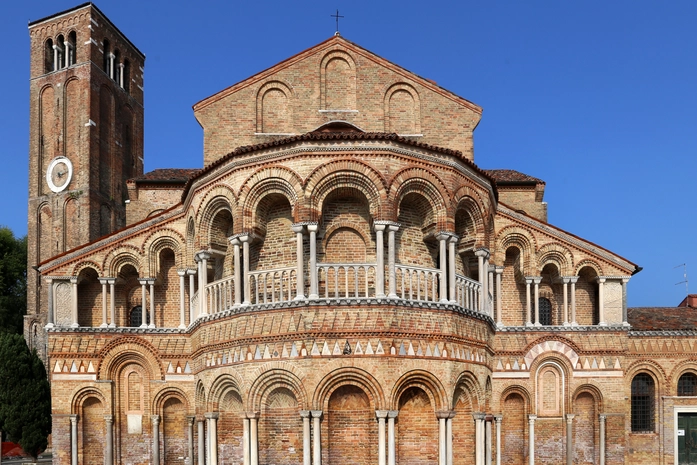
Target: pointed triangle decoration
369	349
293	350
325	349
337	349
359	349
315	350
379	350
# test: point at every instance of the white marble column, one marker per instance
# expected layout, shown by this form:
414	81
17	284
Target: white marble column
452	242
298	229
442	245
478	438
51	312
155	439
190	420
624	301
602	417
490	286
391	438
111	65
391	230
73	440
528	316
379	227
182	298
381	416
487	441
73	283
317	445
601	301
201	443
246	460
151	283
235	241
449	438
112	303
307	437
565	287
498	419
56	65
569	439
212	418
537	281
143	302
482	255
109	440
442	441
203	258
531	439
253	438
192	289
312	229
573	281
499	298
104	282
245	239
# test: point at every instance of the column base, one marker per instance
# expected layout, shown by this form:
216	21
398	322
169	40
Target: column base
392	296
500	325
112	325
314	297
181	326
49	325
602	323
104	325
151	325
299	297
381	295
566	323
144	325
528	324
74	325
573	323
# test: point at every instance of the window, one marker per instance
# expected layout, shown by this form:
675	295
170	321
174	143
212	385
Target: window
70	51
642	403
687	385
126	77
117	68
60	52
107	58
49	63
136	318
545	307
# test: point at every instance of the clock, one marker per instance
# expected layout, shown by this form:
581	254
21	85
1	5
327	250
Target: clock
59	174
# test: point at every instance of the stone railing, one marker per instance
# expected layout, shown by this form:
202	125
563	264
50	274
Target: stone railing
418	283
337	280
278	285
220	294
467	292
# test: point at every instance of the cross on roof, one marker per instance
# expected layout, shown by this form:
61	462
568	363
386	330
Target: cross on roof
337	16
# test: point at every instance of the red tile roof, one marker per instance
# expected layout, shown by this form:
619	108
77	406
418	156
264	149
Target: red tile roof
662	318
512	177
167	175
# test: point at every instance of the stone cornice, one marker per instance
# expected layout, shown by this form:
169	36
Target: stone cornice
564	236
564	329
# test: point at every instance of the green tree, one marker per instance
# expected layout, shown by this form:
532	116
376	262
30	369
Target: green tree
13	281
25	395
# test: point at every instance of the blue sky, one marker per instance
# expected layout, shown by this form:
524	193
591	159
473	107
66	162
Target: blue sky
597	98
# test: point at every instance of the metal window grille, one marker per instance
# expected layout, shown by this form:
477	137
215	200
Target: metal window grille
687	385
137	316
545	311
642	403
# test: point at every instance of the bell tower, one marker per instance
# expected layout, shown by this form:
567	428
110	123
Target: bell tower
85	139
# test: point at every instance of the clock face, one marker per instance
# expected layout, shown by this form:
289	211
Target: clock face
59	173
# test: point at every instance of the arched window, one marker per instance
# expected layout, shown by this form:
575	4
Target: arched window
60	56
136	318
687	385
117	68
71	50
107	58
642	403
545	311
49	63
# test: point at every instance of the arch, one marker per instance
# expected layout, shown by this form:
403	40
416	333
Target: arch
49	61
166	393
410	109
345	173
588	263
120	256
272	379
83	265
562	347
469	380
557	255
466	204
158	241
337	81
218	197
426	183
343	376
551	385
83	393
649	366
72	48
523	240
643	402
120	352
190	238
200	398
266	181
279	118
593	391
424	380
222	384
522	391
683	367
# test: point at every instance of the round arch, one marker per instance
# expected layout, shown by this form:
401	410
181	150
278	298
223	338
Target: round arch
424	380
344	376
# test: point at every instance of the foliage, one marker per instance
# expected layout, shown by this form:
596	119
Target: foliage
13	281
25	395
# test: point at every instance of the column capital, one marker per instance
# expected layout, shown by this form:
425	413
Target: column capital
498	418
537	279
312	226
570	417
532	418
601	279
202	255
155	419
445	414
482	252
445	235
191	271
109	418
73	279
381	413
498	269
245	237
191	419
298	227
234	239
150	281
74	418
253	415
392	413
212	415
602	417
316	413
106	280
305	413
143	281
182	272
479	416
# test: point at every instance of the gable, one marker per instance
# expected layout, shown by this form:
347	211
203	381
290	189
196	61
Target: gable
335	81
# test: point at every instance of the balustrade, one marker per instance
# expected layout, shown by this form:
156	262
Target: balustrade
347	279
278	285
418	283
467	291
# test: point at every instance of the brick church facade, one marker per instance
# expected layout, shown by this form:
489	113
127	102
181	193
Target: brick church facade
339	283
